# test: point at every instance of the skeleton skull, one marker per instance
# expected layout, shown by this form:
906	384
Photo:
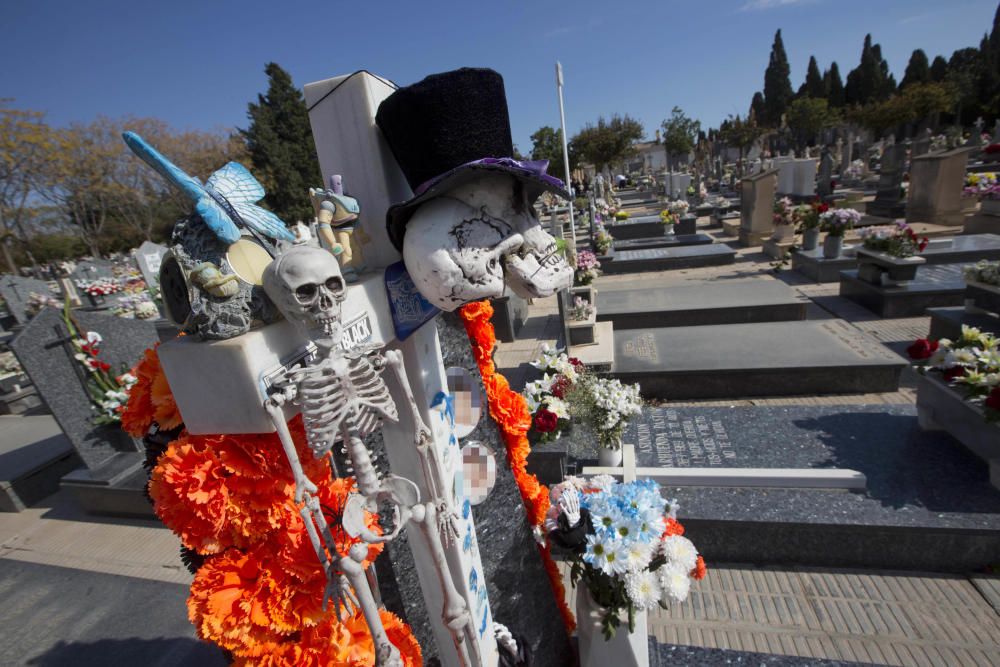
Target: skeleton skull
306	285
463	246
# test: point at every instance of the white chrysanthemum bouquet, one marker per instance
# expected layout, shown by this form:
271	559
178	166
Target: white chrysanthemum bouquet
627	547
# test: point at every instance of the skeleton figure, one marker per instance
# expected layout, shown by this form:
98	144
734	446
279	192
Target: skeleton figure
343	396
467	244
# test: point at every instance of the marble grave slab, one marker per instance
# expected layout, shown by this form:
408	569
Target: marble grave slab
662	259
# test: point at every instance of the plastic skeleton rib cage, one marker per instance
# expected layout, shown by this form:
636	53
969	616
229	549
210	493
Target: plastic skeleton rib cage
342	396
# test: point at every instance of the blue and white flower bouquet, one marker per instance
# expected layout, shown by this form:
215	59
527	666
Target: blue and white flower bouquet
627	547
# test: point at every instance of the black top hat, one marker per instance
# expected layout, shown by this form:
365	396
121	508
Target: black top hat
446	130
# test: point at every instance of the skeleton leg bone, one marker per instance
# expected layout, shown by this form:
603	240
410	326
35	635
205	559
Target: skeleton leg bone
386	655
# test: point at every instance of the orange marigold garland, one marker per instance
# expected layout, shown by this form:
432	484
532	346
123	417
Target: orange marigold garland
510	411
259	593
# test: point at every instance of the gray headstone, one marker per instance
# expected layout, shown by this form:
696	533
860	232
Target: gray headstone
44	352
923	143
824	179
148	257
16	292
92	269
847	154
889	200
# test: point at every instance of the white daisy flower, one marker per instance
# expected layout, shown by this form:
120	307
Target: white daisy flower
675	582
643	589
679	551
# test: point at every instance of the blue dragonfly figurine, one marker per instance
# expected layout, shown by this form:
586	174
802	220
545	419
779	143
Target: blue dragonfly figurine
227	200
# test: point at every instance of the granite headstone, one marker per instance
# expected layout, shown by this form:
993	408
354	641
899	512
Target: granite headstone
16	292
148	257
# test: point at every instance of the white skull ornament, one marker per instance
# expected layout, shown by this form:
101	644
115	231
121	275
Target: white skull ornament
306	285
468	243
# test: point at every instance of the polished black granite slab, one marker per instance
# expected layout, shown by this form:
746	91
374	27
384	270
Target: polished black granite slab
934	287
647	305
762	359
947	322
671	241
637	227
662	259
986	297
674	655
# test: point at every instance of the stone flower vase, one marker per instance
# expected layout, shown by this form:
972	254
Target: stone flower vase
626	649
668	229
783	233
832	246
609	458
810	238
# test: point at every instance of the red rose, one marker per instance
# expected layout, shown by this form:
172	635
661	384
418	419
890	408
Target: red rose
993	400
560	386
954	372
923	348
545	421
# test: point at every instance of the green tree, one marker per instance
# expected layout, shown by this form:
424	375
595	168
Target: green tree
757	112
813	86
918	70
679	134
777	84
608	142
917	102
739	133
988	83
281	148
964	68
546	144
939	69
834	86
869	81
807	116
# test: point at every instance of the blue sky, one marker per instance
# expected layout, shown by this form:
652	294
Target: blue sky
197	64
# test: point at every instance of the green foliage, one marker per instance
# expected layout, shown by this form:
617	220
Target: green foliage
918	70
546	144
870	81
608	142
739	133
808	115
757	113
281	147
915	102
777	84
680	132
939	69
964	69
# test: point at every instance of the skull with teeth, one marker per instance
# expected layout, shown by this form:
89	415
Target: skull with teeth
306	285
470	242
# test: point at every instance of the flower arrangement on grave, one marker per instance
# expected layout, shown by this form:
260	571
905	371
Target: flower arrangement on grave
606	405
108	391
546	397
602	240
807	215
136	306
690	191
984	271
37	301
581	310
971	365
983	186
628	549
587	267
9	364
898	240
837	221
783	212
992	149
621	215
510	410
101	287
674	211
258	589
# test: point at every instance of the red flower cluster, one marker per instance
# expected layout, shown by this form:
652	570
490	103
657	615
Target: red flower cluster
991	149
953	372
922	348
560	386
545	421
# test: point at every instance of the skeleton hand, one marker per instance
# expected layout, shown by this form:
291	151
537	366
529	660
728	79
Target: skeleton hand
448	523
338	590
569	504
306	491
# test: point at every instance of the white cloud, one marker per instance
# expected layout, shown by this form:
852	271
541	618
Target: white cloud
759	5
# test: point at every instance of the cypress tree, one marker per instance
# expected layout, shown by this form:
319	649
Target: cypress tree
939	69
834	86
886	82
281	147
813	86
918	70
777	84
757	108
864	81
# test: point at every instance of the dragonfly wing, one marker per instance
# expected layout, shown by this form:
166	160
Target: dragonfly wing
164	167
217	220
263	221
236	183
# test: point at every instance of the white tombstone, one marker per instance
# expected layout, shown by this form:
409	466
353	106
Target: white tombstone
804	177
148	257
786	174
342	116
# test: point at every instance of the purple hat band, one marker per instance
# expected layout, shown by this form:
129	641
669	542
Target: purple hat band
536	168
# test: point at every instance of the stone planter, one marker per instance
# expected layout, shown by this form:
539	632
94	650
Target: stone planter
783	233
668	229
832	246
879	268
990	206
625	649
942	408
810	238
609	458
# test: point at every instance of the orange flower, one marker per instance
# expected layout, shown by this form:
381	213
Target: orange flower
150	398
674	527
699	571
